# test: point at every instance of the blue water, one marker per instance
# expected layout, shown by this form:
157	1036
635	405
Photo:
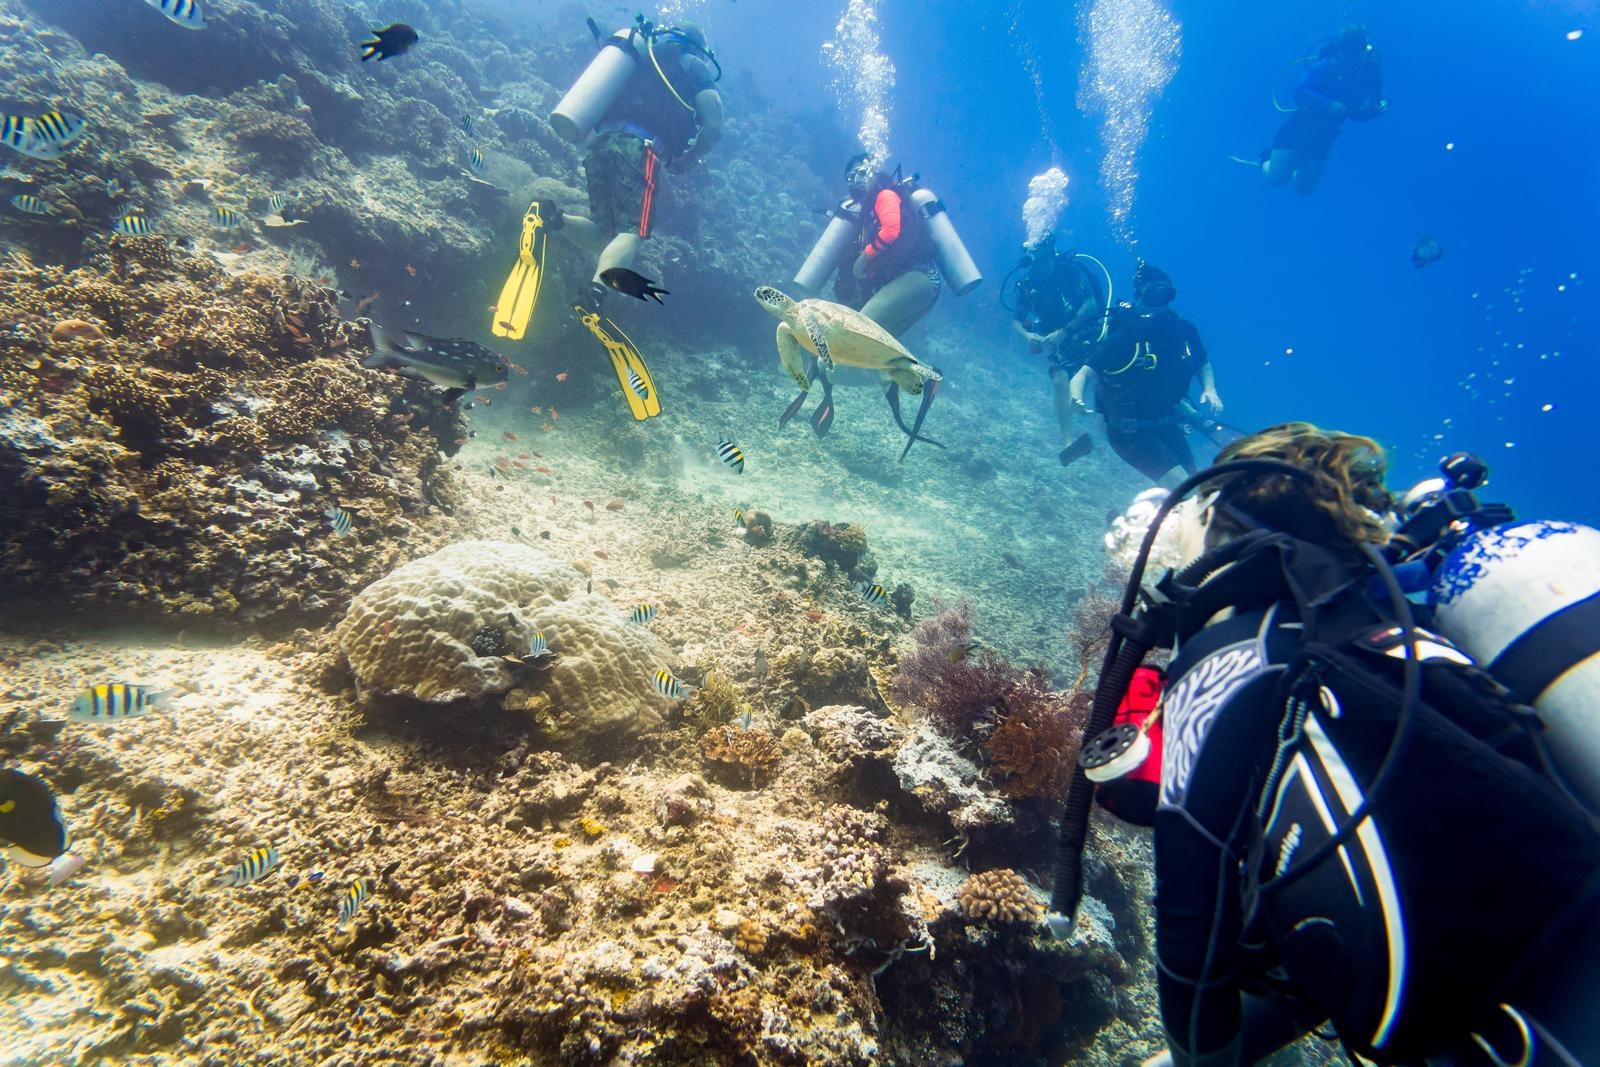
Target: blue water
1462	355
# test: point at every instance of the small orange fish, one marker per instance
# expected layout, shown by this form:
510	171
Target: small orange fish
614	504
461	441
366	302
561	377
555	416
509	436
515	367
601	553
324	280
242	247
355	264
547	427
411	270
486	400
524	455
544	470
587	503
537	409
502	385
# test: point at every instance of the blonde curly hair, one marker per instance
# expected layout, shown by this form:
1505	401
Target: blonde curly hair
1341	507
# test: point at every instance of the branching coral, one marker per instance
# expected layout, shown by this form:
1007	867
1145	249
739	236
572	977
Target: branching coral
753	753
999	896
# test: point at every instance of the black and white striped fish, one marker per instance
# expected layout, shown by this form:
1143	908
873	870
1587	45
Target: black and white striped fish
353	898
732	455
669	686
133	225
876	595
278	201
30	204
21	134
118	700
225	218
185	13
641	615
340	520
537	645
475	161
58	128
636	383
256	866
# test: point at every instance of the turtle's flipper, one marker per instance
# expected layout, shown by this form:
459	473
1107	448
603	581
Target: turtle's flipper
793	356
914	434
798	402
822	418
818	338
520	294
624	358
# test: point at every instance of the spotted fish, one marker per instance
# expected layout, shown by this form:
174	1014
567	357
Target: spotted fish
453	364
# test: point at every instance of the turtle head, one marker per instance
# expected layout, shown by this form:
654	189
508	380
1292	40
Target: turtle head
775	302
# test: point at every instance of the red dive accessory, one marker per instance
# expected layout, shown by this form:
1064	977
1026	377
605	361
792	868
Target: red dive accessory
1124	762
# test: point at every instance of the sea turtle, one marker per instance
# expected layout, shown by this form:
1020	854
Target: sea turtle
838	334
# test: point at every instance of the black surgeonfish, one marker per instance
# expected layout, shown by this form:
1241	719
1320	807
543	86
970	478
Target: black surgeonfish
634	284
395	40
30	820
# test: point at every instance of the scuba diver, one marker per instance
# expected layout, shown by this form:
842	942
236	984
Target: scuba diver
650	100
893	248
1059	311
1141	371
1343	80
1355	823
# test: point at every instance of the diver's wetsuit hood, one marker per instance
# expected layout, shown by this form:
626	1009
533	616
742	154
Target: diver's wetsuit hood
1152	286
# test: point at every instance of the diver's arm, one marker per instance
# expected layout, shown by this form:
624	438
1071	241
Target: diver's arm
1025	333
1208	388
1314	90
1080	382
708	112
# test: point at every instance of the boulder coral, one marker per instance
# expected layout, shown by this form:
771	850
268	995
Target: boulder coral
412	634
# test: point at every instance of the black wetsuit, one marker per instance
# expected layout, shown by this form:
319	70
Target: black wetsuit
1357	87
1045	305
1222	715
1144	367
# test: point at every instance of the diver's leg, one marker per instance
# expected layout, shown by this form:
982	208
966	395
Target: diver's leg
1280	167
1061	392
897	306
1308	175
620	251
584	233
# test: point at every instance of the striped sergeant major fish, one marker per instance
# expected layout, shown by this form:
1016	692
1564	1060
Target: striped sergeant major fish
353	898
875	595
133	225
118	700
256	866
641	615
636	383
538	645
669	686
185	13
57	128
20	134
732	455
340	520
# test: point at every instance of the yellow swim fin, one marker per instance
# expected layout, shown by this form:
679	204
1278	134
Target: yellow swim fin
638	387
521	292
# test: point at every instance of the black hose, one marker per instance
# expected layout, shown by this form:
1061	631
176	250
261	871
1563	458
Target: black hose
1131	639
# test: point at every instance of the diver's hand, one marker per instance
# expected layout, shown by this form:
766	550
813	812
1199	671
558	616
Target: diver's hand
1050	340
1077	402
859	269
1211	401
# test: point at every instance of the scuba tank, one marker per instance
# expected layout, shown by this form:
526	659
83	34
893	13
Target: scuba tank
597	88
838	237
955	262
1522	598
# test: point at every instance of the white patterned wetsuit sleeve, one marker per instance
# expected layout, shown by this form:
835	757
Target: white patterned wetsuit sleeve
1219	731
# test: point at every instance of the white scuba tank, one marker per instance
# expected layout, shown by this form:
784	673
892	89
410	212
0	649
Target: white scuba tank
955	263
1523	599
597	88
838	237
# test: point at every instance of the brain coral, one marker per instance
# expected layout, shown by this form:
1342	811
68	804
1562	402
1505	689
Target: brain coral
411	633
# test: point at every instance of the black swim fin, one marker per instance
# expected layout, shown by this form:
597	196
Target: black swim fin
914	434
799	402
822	418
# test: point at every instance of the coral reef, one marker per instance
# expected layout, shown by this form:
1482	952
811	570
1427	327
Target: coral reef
169	440
842	545
753	755
1000	896
1034	744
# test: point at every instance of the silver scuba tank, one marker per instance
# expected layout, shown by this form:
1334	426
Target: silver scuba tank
597	88
955	263
1523	599
838	237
